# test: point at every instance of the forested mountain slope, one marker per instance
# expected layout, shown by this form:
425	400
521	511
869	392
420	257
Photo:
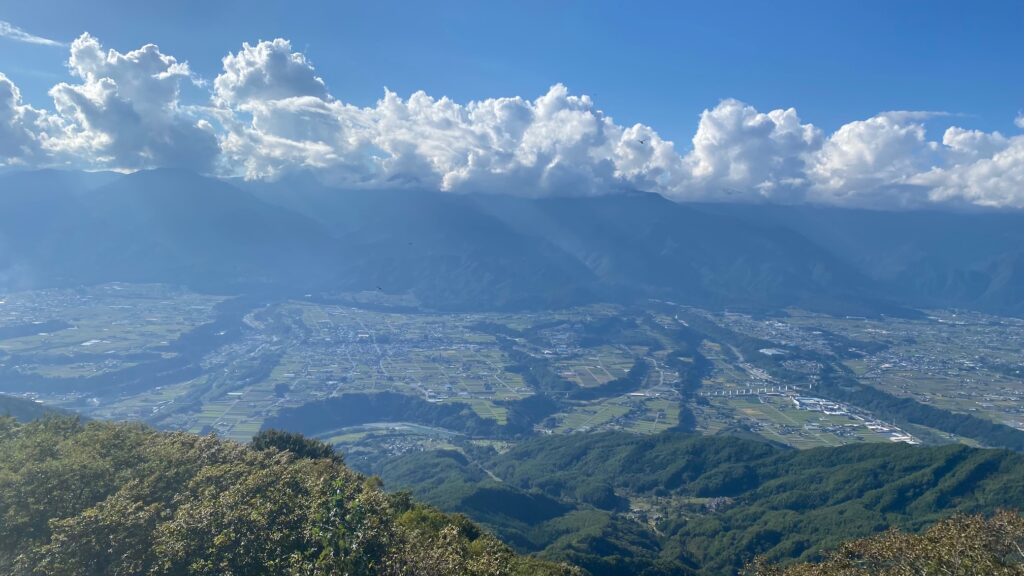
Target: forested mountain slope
959	546
100	498
675	503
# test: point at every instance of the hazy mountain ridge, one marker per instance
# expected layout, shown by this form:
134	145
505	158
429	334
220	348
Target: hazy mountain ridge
488	251
162	226
940	259
25	410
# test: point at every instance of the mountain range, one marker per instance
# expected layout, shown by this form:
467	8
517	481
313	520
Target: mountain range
483	252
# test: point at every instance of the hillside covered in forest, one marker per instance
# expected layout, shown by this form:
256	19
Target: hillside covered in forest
677	503
81	498
99	498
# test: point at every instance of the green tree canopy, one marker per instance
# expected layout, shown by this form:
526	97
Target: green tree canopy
121	499
958	546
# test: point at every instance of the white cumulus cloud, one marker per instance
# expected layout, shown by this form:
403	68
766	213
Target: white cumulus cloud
966	145
269	112
741	153
279	116
870	161
558	143
126	112
267	71
20	126
995	180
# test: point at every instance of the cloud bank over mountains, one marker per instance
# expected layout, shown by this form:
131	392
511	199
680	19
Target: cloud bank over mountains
268	113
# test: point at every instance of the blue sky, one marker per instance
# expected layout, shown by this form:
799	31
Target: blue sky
657	63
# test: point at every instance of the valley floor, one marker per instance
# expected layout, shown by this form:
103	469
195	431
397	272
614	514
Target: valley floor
146	352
